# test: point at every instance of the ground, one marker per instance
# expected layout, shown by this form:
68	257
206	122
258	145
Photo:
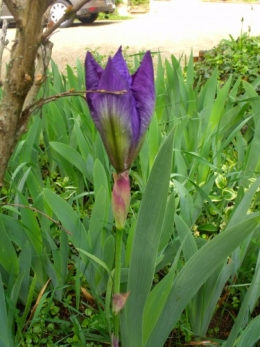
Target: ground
171	27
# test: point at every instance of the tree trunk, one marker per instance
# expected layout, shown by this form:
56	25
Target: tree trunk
20	72
25	73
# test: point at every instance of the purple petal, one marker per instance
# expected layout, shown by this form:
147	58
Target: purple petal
112	81
121	119
93	74
121	66
144	92
113	117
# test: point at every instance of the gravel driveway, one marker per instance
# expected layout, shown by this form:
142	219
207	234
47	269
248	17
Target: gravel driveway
172	27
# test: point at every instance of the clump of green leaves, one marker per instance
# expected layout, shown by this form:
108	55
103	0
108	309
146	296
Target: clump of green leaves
58	322
143	3
238	57
112	16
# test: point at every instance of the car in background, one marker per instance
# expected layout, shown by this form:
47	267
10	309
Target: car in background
88	13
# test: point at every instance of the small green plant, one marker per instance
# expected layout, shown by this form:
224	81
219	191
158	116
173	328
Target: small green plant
61	321
142	3
112	16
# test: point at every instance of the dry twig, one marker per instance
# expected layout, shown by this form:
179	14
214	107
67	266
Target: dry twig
39	212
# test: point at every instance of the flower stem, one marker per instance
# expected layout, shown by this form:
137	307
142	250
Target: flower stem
117	278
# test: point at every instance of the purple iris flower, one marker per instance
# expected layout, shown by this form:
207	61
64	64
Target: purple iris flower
121	119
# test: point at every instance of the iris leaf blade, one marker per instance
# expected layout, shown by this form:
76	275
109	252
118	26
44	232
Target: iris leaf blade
250	299
251	334
195	272
147	235
68	218
71	155
5	339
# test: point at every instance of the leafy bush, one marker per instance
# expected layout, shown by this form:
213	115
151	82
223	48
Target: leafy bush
239	58
143	3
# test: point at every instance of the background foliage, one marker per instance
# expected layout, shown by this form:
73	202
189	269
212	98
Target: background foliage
237	57
191	245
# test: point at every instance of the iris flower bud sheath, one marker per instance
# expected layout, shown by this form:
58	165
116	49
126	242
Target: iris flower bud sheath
121	198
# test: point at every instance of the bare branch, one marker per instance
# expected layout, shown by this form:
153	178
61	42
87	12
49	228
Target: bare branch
11	7
38	104
16	6
40	212
3	43
67	15
43	59
31	108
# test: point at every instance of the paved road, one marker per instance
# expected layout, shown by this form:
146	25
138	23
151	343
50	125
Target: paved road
173	27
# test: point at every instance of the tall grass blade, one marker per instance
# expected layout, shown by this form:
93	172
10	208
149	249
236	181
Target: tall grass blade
71	155
5	338
252	160
195	272
147	235
8	257
250	299
251	335
68	217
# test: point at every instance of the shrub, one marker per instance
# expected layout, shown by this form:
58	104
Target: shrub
240	58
